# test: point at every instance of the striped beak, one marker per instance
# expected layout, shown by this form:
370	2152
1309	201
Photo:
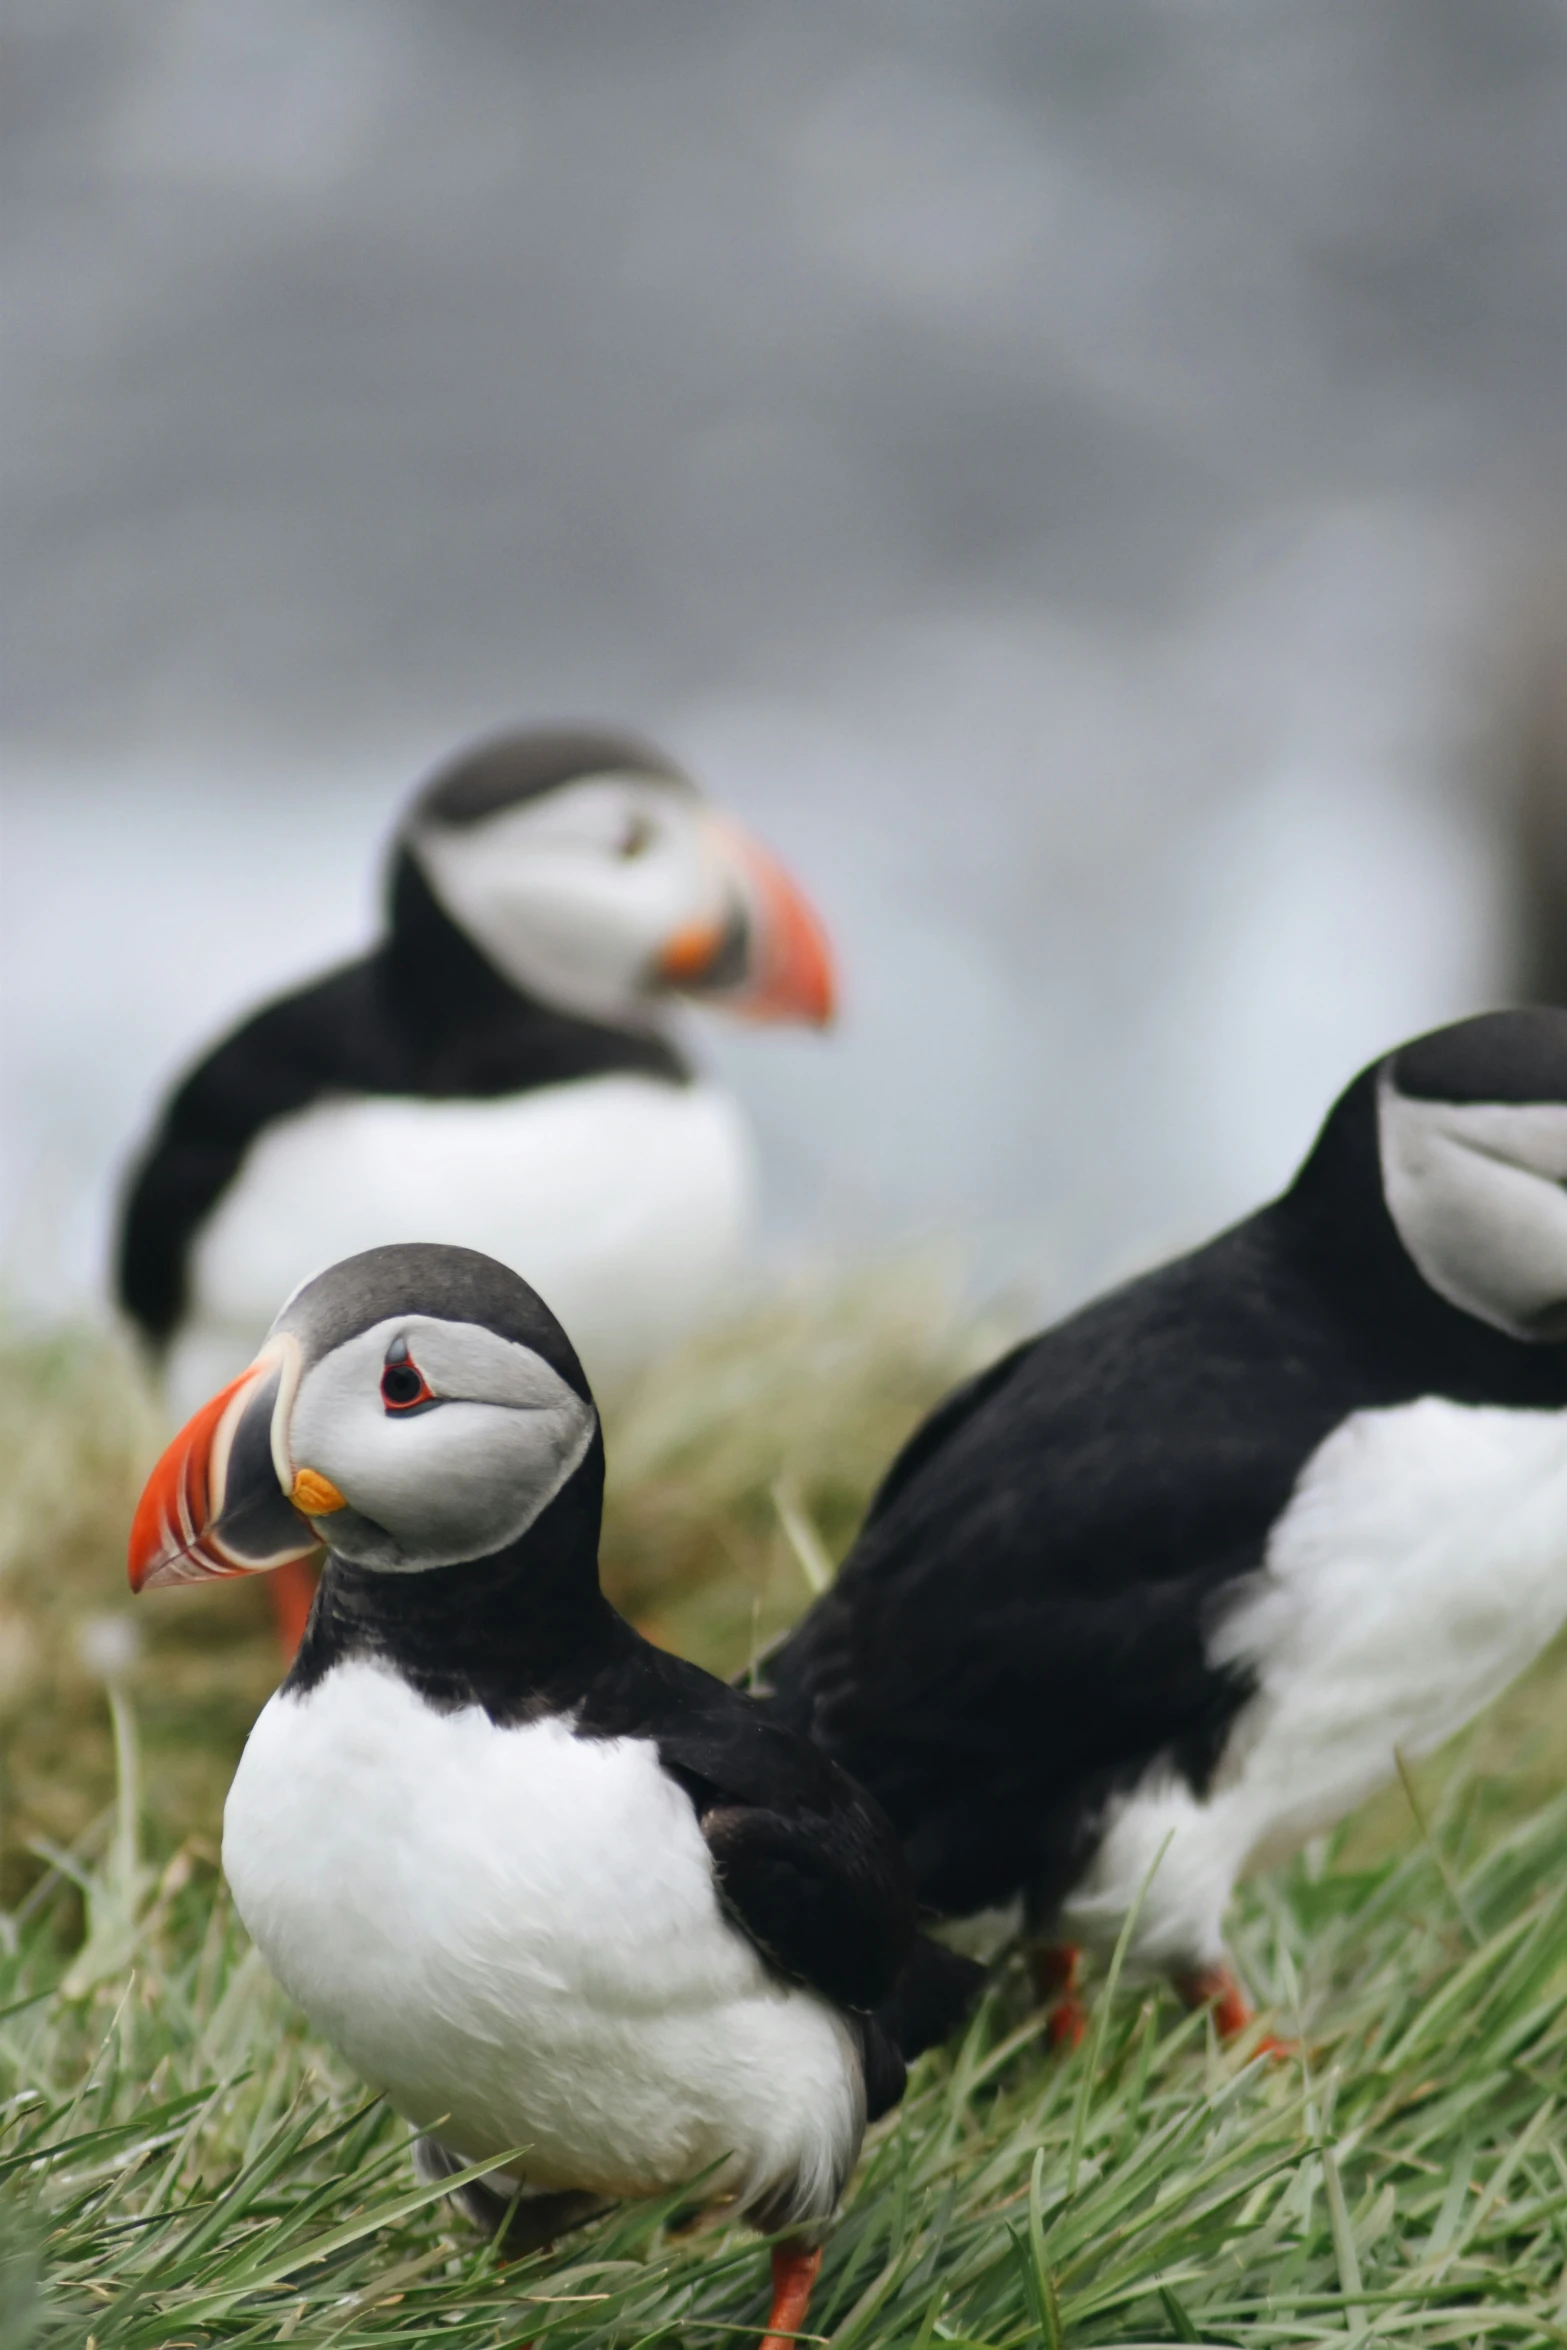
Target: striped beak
217	1502
767	958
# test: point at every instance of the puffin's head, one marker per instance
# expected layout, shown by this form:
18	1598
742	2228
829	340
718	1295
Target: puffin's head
1472	1139
588	870
412	1407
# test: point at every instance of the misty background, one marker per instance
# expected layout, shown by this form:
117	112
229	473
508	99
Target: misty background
1081	477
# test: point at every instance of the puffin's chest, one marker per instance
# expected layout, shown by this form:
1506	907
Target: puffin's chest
429	1887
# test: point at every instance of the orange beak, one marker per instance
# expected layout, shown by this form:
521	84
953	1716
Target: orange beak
216	1503
768	957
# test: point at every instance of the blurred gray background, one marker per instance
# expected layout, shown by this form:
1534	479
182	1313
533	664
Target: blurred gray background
1076	474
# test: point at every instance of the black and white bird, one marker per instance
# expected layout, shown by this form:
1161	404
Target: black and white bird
1186	1574
542	1884
499	1073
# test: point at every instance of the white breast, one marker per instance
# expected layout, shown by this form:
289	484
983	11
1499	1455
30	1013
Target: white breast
624	1201
1420	1565
515	1934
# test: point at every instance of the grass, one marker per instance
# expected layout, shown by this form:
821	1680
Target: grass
180	2164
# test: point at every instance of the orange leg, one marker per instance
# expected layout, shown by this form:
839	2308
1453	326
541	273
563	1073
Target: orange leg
293	1588
1055	1967
1232	2012
794	2273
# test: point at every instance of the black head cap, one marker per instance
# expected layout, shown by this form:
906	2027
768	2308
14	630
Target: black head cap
1518	1056
505	769
426	1277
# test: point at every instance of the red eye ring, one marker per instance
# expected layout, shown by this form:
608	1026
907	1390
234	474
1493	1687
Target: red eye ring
403	1385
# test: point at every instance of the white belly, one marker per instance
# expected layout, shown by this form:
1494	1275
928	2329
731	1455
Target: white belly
1420	1566
625	1202
514	1934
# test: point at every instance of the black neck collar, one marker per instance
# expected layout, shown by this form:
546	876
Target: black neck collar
520	1633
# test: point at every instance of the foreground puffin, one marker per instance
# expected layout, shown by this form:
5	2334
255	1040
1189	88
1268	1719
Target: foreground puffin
544	1885
1185	1575
499	1073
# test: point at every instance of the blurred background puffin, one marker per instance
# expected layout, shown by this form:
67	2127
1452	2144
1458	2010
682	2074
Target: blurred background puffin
499	1072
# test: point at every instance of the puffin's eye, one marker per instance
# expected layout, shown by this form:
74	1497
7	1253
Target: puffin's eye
637	836
403	1386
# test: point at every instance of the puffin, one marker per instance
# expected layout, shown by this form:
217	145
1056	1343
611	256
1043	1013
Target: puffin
1174	1585
544	1885
500	1072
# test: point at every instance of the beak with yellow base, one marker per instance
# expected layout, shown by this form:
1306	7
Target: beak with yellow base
224	1498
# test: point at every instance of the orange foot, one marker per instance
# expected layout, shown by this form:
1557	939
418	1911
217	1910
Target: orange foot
292	1587
794	2273
1055	1967
1232	2010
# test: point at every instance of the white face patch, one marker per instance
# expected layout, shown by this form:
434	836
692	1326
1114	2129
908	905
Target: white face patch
1475	1191
454	1479
575	895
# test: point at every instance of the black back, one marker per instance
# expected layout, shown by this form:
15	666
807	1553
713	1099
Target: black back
1019	1629
426	1015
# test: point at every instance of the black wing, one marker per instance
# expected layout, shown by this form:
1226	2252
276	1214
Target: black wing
805	1861
808	1866
282	1059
